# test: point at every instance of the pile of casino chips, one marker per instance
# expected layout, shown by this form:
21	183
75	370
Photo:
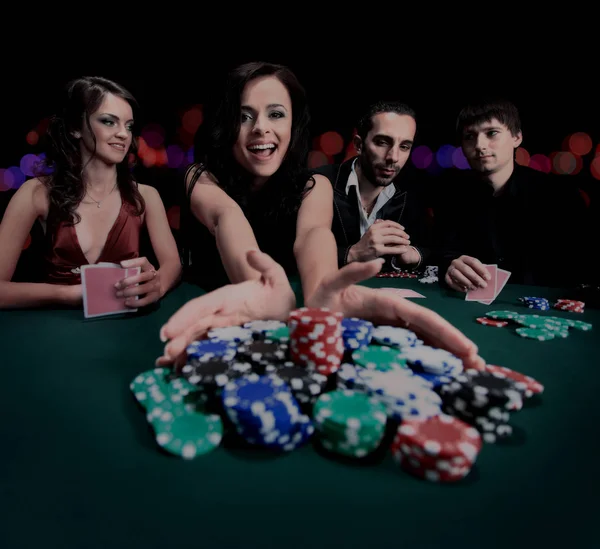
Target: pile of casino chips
539	303
179	426
534	326
441	448
570	305
349	423
342	382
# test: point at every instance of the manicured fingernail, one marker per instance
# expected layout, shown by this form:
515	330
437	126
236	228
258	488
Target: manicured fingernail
162	335
120	293
118	285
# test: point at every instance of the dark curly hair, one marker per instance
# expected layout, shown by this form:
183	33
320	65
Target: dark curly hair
214	142
62	168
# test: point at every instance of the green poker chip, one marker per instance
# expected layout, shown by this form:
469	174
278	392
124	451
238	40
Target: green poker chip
580	325
536	333
379	357
281	334
186	433
537	321
503	315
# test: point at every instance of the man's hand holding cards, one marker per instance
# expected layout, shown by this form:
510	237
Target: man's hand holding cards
481	282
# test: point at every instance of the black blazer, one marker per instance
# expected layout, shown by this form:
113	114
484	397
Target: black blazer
535	229
407	207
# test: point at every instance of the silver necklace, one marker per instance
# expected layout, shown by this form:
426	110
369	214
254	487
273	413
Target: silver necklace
99	201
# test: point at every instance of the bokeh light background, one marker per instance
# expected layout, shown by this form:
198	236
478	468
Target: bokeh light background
563	141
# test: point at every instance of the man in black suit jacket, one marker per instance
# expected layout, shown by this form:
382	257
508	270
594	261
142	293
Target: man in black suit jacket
376	212
526	221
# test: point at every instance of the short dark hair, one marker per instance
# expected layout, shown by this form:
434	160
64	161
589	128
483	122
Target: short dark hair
485	110
365	122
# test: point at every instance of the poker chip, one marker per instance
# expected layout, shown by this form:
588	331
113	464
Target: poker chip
536	333
206	349
379	358
433	360
503	315
525	384
316	339
540	303
439	449
356	333
395	336
491	322
570	305
186	433
230	333
263	326
349	423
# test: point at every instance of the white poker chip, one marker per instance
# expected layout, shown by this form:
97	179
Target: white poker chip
393	335
263	326
230	333
433	360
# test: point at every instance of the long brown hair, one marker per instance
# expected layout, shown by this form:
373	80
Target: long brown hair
62	168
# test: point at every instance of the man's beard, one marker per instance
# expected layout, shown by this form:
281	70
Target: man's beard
369	172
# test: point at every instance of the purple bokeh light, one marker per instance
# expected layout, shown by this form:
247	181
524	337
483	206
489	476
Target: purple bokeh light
444	156
422	157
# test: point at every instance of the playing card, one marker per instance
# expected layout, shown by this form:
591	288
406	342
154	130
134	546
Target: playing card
403	292
99	292
489	292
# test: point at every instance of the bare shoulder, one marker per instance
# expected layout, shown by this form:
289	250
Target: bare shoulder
200	175
148	192
35	191
319	183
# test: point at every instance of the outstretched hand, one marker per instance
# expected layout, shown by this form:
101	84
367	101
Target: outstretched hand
339	292
269	298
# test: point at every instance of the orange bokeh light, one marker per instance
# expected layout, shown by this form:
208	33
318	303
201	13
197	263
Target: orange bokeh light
540	162
580	143
595	167
32	137
565	163
331	143
192	119
522	157
317	159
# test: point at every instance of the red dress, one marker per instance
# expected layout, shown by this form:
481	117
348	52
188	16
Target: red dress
63	256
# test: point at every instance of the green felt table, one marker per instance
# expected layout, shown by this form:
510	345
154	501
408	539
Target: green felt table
80	467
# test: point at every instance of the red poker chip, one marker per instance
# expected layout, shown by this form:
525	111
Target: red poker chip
491	322
441	436
526	384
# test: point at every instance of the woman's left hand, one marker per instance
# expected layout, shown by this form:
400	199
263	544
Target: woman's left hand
145	285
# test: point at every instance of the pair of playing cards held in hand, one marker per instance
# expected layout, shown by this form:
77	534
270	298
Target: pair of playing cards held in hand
99	292
494	286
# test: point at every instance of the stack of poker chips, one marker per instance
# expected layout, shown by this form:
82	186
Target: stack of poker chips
349	423
356	333
316	339
264	412
482	399
539	303
430	276
305	385
180	428
263	353
440	449
403	394
396	337
570	305
526	385
435	365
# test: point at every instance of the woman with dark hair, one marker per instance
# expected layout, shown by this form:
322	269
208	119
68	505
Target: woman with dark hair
250	193
91	208
248	182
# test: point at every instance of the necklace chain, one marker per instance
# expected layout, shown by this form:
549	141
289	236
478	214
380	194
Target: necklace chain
98	202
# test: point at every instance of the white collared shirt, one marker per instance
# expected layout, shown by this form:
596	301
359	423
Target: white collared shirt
384	196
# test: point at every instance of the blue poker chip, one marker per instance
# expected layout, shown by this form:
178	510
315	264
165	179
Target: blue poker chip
205	349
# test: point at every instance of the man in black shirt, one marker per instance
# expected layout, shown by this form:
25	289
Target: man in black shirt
525	221
377	213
